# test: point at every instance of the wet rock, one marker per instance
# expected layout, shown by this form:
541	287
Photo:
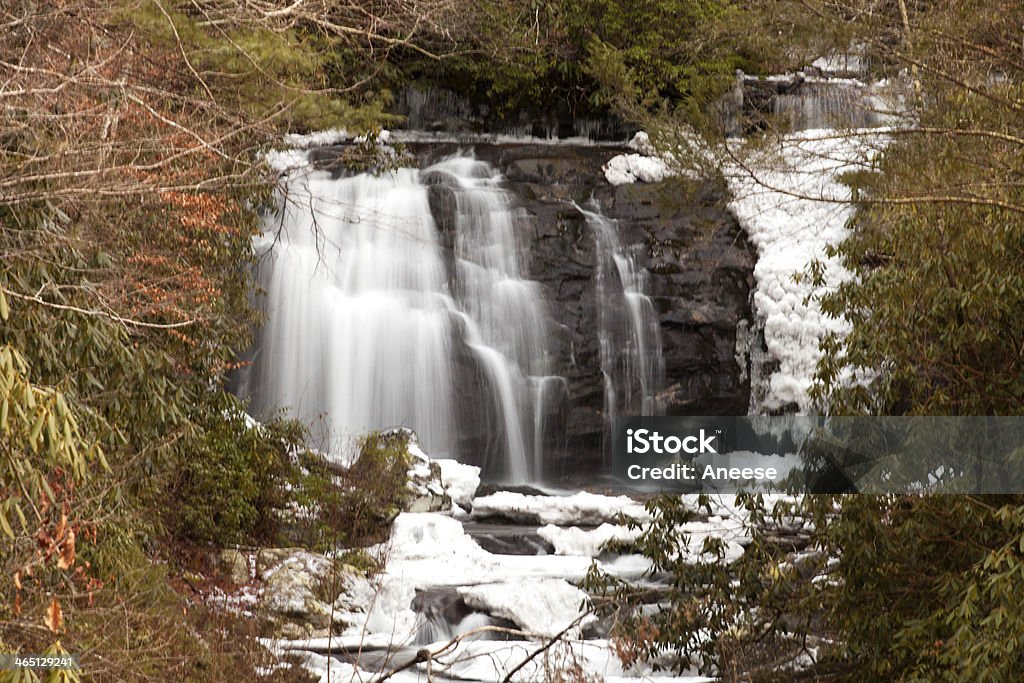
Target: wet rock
488	489
581	508
700	268
509	539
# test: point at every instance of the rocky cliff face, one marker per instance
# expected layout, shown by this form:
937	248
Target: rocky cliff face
701	275
435	109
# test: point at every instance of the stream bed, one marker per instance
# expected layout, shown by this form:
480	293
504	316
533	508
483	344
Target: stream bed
485	590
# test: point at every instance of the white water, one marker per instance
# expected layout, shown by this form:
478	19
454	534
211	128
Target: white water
365	314
629	335
834	103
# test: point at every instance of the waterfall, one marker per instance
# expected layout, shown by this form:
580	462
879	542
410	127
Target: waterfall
629	335
800	101
401	299
828	103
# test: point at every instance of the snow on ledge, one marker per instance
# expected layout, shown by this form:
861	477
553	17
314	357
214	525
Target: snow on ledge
332	136
543	607
460	481
580	508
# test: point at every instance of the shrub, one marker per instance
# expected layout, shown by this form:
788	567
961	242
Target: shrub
231	489
353	507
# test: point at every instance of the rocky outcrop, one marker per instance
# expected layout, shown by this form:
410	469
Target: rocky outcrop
306	594
234	566
700	266
445	111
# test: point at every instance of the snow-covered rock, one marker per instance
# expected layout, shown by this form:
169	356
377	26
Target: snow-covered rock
436	484
543	607
417	536
332	136
588	542
491	661
630	168
641	143
645	165
482	660
292	162
460	481
585	542
434	551
289	586
428	491
579	508
307	594
853	61
382	138
730	533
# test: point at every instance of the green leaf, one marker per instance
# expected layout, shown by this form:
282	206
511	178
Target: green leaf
5	525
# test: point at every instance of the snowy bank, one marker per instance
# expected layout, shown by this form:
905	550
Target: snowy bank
793	206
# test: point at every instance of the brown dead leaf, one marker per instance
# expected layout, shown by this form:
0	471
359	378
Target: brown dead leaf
54	618
44	539
17	579
62	525
67	551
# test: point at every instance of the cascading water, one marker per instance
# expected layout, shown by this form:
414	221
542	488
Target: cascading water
367	312
799	102
828	103
629	336
444	615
